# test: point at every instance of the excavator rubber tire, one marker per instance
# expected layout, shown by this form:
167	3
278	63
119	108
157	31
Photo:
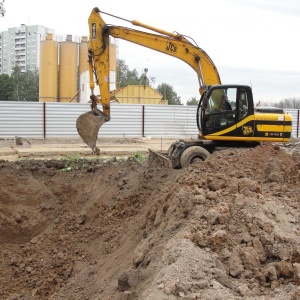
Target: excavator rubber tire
193	154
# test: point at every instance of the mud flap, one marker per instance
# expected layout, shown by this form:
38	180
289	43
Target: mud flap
88	126
159	159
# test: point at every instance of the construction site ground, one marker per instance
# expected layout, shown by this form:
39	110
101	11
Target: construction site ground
121	227
64	147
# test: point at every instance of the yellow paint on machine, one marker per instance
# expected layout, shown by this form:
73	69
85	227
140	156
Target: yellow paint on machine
268	128
246	138
273	128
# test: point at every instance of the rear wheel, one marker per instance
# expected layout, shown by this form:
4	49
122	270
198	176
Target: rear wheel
193	154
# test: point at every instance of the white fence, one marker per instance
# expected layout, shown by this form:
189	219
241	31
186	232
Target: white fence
46	120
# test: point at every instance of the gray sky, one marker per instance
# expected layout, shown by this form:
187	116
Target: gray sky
251	42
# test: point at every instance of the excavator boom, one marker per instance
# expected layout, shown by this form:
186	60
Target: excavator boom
173	44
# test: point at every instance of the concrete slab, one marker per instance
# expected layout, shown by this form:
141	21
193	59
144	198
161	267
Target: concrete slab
50	149
6	151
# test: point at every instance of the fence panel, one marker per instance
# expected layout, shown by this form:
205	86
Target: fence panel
126	121
34	119
21	119
295	114
61	118
170	121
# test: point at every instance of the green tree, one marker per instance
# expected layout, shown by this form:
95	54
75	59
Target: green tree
26	85
192	101
169	94
17	80
126	76
6	87
32	88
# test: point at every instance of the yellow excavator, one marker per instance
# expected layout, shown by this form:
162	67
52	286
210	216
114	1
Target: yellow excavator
226	115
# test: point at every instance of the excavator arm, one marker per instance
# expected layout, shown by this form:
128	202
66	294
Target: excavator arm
173	44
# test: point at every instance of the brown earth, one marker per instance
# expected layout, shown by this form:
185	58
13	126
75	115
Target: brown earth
226	228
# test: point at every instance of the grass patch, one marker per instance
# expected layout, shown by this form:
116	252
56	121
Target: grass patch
72	163
140	157
76	162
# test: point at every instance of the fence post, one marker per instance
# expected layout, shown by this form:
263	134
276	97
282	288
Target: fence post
298	124
44	112
143	122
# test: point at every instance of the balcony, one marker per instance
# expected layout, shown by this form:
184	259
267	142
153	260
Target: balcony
20	47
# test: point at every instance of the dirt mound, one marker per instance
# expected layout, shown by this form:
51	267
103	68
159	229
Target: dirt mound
226	228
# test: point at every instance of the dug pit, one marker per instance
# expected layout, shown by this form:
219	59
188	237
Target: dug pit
226	228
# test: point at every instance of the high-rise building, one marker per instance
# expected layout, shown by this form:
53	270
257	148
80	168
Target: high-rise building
20	46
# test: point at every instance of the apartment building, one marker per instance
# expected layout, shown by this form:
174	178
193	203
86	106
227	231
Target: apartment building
21	46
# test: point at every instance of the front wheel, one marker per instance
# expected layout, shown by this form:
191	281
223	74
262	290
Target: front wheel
193	154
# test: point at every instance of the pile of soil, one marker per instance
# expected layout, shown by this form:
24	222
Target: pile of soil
226	228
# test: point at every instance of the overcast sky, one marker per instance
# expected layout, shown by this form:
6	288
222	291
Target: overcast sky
254	42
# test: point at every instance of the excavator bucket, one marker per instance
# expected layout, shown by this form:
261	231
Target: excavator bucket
88	125
159	159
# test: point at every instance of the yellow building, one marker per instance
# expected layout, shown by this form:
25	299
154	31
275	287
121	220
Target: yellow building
137	94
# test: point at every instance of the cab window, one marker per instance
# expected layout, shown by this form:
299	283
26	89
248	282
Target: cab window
219	111
243	104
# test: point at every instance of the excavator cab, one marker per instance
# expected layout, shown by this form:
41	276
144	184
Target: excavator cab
241	122
222	108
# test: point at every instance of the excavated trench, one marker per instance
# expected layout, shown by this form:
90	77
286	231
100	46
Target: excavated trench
226	228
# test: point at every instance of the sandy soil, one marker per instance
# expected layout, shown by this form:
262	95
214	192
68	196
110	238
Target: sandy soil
226	228
6	142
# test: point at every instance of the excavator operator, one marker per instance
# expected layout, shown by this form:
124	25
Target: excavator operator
225	103
217	104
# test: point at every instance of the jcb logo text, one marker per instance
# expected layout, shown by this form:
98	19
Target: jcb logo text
171	47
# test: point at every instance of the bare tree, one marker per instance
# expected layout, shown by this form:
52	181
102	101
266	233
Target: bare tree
2	8
292	102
